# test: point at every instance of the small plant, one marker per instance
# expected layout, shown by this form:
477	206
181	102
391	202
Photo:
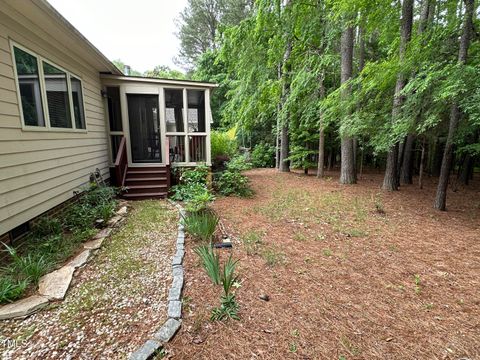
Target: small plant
292	347
327	252
251	241
46	226
210	262
418	288
298	236
11	289
29	267
272	256
239	163
379	208
199	201
229	307
201	225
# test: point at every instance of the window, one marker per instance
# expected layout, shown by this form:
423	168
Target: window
50	97
77	97
57	96
29	85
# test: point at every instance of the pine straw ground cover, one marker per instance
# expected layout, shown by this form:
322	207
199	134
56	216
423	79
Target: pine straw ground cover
352	273
115	302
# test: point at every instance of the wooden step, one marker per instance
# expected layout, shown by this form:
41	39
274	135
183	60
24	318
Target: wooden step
146	173
148	188
147	195
146	178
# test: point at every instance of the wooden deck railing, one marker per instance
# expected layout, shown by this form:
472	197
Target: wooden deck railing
121	163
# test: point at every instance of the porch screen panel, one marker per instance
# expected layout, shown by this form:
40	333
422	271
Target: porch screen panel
144	128
174	110
198	148
114	109
29	84
176	149
196	110
57	96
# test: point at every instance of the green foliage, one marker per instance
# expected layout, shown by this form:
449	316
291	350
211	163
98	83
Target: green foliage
251	241
46	226
192	184
201	225
239	163
263	156
229	307
210	262
53	240
222	145
199	201
233	183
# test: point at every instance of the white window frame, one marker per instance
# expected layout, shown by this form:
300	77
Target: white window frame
43	93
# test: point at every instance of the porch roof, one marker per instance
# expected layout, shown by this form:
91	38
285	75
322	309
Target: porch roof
194	83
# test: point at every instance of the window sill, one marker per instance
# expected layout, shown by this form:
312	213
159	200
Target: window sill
53	130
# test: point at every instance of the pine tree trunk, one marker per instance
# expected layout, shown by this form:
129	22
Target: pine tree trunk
390	181
422	161
347	166
321	138
441	196
284	165
406	175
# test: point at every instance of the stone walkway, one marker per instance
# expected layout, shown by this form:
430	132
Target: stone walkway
114	303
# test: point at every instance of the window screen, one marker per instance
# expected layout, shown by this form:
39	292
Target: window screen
29	83
77	98
174	110
196	111
57	97
114	109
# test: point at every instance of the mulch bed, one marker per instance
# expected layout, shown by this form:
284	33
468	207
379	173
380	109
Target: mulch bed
360	274
115	302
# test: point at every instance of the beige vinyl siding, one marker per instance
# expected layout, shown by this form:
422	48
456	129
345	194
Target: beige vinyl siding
41	169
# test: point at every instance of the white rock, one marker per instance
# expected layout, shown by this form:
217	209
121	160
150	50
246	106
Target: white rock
80	259
93	244
23	307
55	285
122	211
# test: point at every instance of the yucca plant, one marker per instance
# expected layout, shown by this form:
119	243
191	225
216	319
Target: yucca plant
201	225
228	304
210	262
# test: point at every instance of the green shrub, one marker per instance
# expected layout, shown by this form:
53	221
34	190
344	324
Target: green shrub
30	267
46	226
239	163
221	145
192	184
201	225
199	201
263	156
233	183
11	289
210	262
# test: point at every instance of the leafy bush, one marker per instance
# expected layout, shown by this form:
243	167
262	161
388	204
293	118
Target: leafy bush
199	201
239	163
210	262
263	156
46	226
201	225
193	185
197	175
233	183
222	145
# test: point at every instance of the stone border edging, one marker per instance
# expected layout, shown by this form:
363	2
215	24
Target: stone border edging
54	285
174	312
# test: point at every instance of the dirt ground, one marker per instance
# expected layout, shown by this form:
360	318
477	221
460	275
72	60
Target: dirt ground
352	272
